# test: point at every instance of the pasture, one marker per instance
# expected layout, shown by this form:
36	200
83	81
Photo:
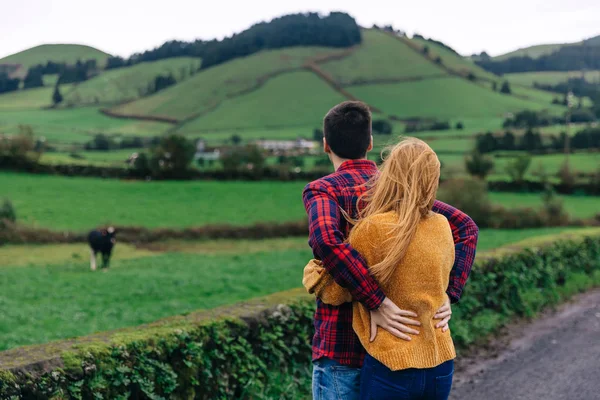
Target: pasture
67	53
443	98
64	299
83	203
75	125
551	77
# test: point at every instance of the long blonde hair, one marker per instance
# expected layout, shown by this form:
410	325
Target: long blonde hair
407	185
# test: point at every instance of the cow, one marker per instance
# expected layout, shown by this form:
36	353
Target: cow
101	241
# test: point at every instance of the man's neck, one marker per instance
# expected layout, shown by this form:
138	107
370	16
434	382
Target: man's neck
337	161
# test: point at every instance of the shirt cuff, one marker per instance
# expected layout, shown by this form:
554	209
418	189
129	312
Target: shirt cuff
374	301
454	295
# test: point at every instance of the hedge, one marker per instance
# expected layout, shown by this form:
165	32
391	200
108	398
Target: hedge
247	350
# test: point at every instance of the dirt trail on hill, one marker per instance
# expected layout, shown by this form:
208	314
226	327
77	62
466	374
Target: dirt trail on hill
557	357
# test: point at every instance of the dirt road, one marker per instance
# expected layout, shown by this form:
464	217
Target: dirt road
557	357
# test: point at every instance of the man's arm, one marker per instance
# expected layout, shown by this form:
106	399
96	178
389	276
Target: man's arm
465	234
343	262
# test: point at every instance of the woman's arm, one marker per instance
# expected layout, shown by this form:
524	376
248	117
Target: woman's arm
319	282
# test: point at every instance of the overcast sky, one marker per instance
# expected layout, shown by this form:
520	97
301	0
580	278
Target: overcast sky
122	27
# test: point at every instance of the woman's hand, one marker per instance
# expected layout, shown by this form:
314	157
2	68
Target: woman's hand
394	320
444	313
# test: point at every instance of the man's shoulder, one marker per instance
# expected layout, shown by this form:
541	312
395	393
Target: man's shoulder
327	182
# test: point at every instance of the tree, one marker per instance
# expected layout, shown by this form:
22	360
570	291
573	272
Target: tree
101	142
57	98
318	135
34	78
7	212
518	168
438	60
505	88
479	165
173	156
531	141
507	141
460	125
236	139
486	143
425	50
495	86
8	84
382	127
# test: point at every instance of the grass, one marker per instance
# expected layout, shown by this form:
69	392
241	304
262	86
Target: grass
207	89
531	51
29	99
75	125
442	98
381	56
79	204
65	299
68	53
454	61
100	158
126	84
264	108
581	162
551	77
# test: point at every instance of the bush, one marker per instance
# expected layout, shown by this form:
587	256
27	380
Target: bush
7	212
470	196
479	165
505	88
19	150
518	168
101	142
460	125
382	127
172	157
250	348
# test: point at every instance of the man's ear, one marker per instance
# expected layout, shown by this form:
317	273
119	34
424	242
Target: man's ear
326	147
370	145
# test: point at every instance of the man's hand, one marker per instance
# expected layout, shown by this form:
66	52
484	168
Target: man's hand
444	313
394	320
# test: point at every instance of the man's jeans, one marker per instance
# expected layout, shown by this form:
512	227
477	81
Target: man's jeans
334	381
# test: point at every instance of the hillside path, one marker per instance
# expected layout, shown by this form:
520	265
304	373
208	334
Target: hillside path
557	357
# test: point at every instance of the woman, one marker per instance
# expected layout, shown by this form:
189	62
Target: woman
410	251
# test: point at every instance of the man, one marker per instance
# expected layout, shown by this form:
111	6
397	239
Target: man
337	352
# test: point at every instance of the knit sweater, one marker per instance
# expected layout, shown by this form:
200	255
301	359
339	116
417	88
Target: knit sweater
418	284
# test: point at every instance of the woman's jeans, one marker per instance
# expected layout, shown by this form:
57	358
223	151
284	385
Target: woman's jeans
378	382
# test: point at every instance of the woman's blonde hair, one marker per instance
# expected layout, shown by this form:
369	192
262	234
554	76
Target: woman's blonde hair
407	185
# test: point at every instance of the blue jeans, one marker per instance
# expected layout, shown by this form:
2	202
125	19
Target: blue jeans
334	381
378	382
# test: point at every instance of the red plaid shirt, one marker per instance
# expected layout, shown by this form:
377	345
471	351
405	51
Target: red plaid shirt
334	337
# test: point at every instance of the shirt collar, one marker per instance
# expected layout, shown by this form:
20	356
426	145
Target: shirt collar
357	164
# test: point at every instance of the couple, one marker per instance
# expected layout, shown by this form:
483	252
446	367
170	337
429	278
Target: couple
407	257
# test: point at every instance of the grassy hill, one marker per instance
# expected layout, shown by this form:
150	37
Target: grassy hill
29	99
123	84
68	53
532	51
206	90
443	98
381	57
551	77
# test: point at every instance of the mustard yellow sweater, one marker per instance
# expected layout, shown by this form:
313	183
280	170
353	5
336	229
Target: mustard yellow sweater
418	284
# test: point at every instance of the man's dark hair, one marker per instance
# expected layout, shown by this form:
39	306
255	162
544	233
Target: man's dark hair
347	129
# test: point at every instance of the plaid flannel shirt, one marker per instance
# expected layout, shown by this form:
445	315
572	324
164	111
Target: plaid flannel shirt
334	337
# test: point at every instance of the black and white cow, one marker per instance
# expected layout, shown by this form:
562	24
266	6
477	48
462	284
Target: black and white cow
101	241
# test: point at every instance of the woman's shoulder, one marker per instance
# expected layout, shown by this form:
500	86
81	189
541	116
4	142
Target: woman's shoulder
370	226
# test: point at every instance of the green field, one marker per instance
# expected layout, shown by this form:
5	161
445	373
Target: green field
381	57
29	99
454	61
264	108
443	98
531	51
551	77
84	203
64	299
125	84
68	53
99	158
207	89
75	125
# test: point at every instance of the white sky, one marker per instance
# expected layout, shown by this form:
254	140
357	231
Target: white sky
122	27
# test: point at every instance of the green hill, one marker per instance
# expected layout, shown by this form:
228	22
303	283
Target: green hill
532	51
551	77
207	89
68	53
123	84
381	57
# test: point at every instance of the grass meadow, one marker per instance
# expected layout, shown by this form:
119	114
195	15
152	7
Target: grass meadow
75	125
381	57
207	89
551	77
65	299
68	53
79	204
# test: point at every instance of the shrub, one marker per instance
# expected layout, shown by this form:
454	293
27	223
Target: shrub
248	158
518	168
101	142
173	156
470	196
20	149
553	208
460	125
382	127
7	212
479	165
248	349
505	88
